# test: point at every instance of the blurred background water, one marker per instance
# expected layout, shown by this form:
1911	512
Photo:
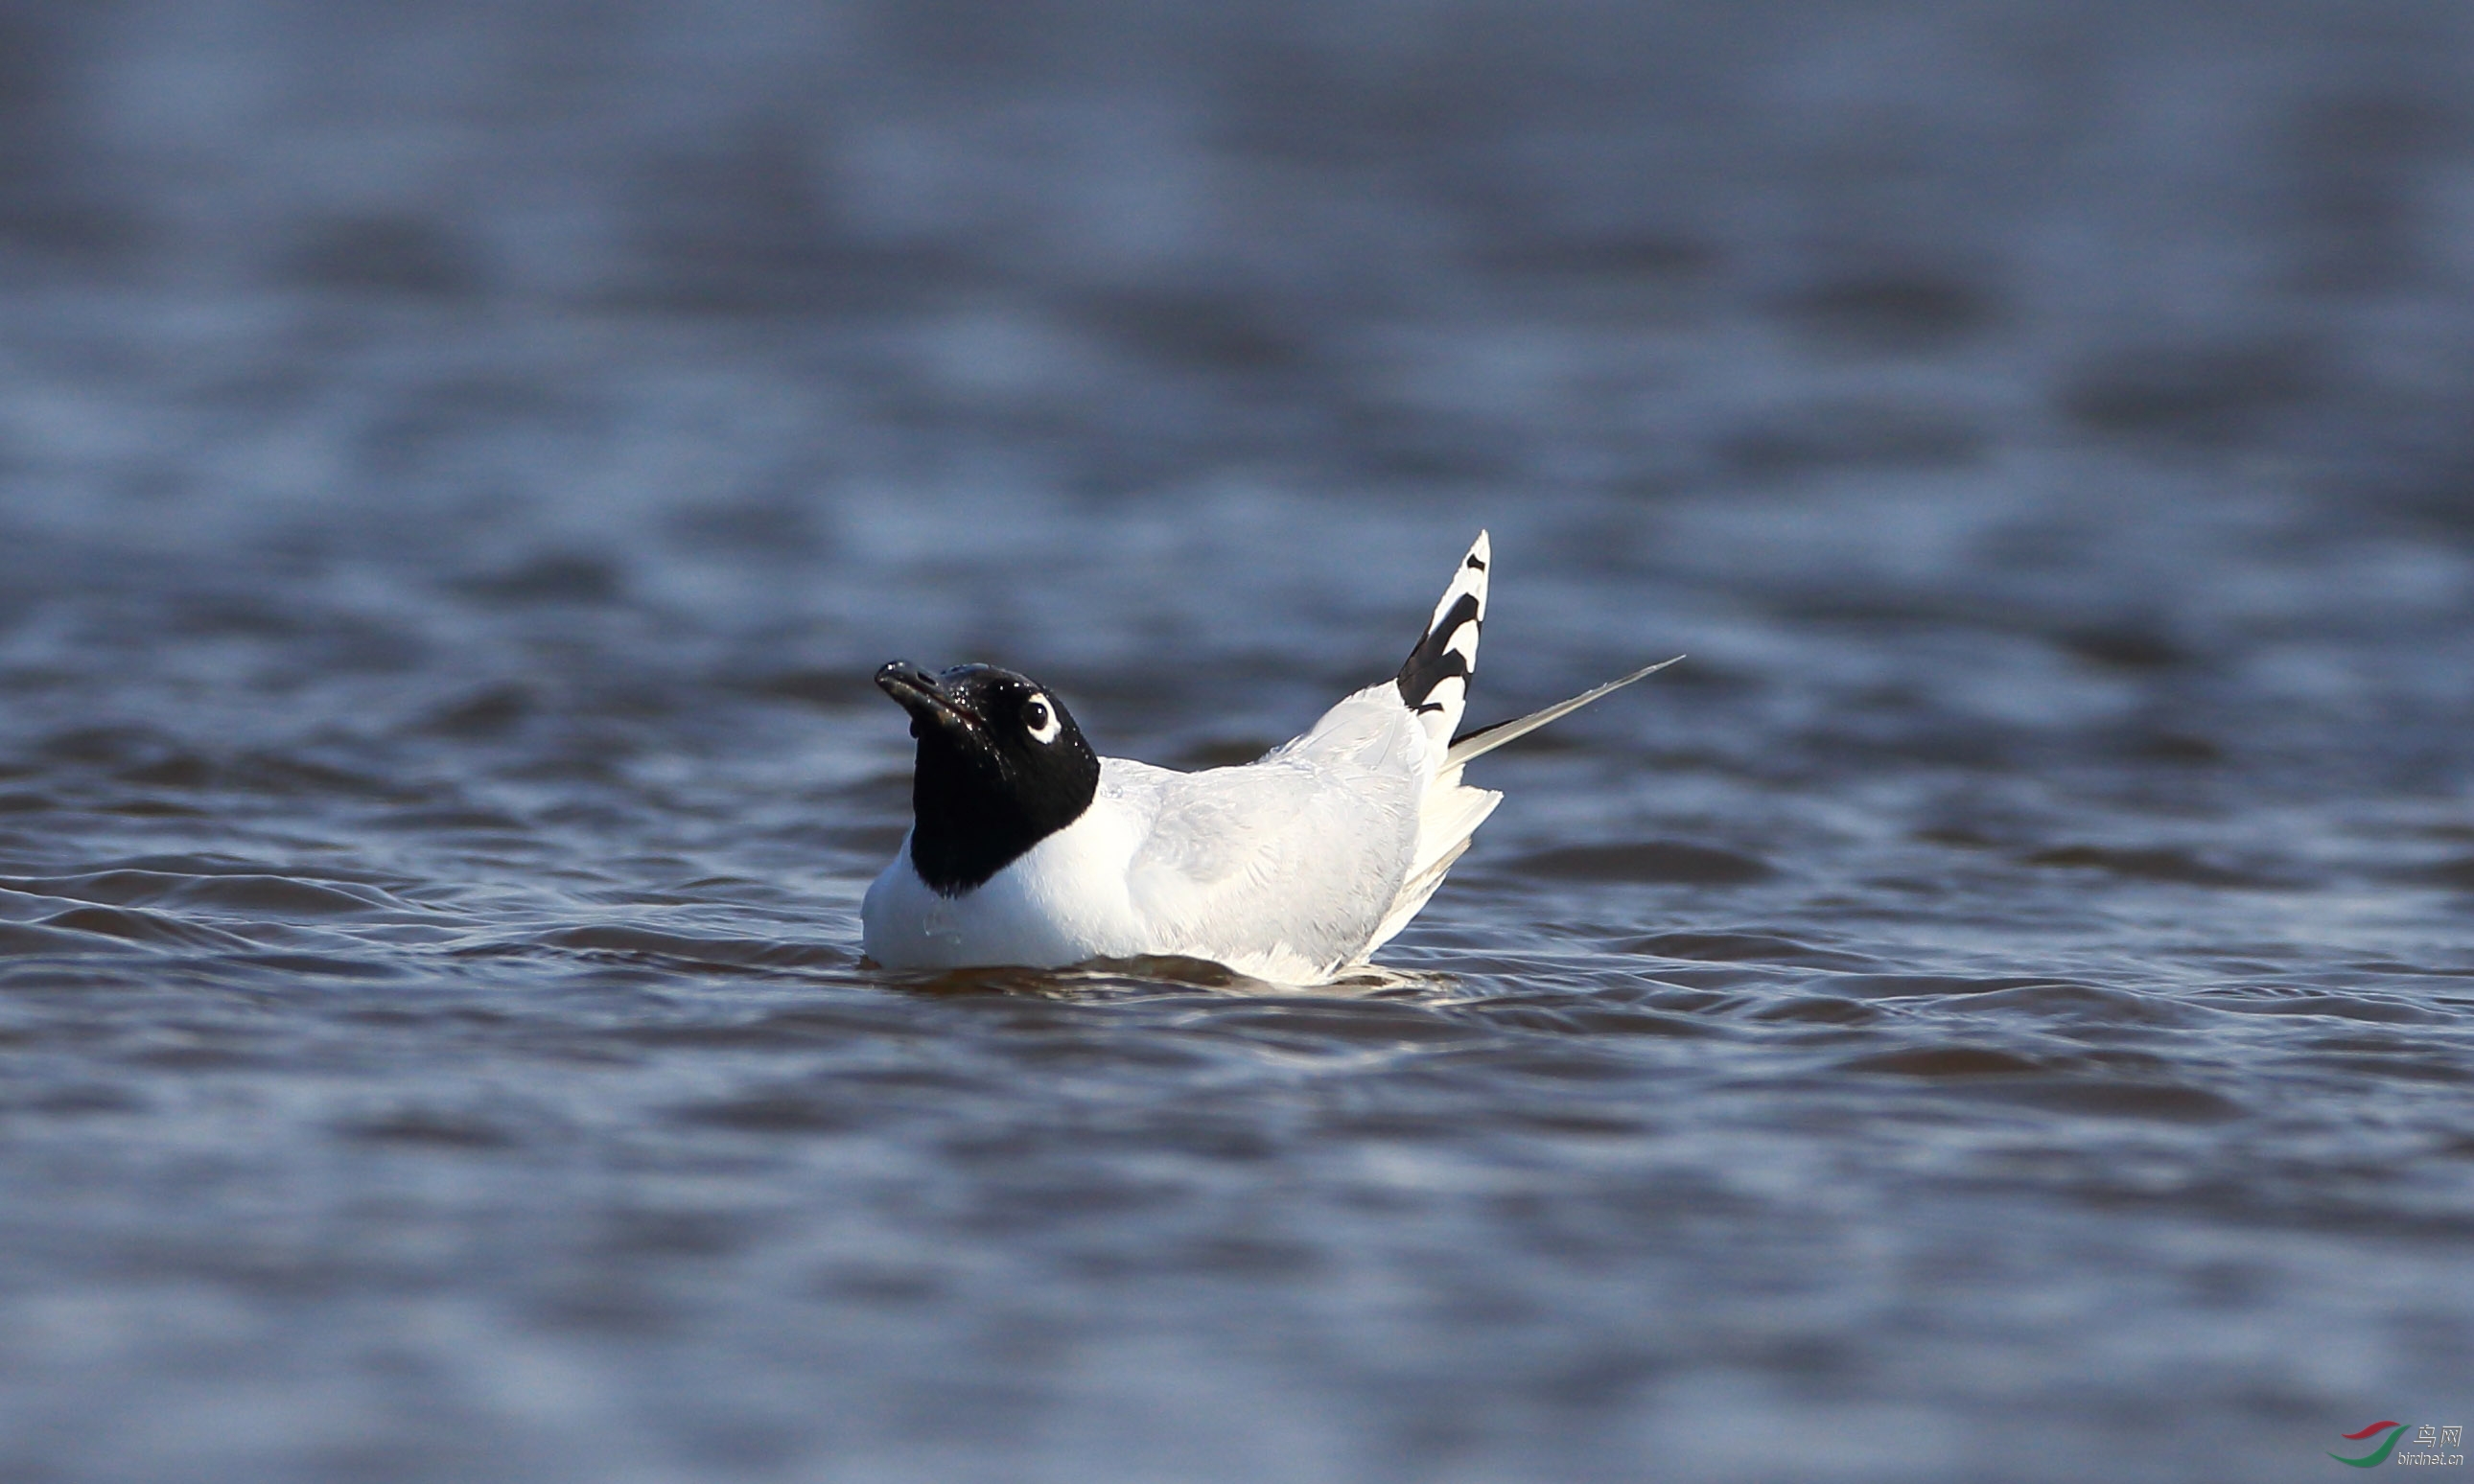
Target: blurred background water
2004	1009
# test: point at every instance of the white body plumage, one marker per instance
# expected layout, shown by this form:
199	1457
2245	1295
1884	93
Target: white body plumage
1291	867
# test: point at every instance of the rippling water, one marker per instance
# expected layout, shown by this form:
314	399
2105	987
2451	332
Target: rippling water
2004	1009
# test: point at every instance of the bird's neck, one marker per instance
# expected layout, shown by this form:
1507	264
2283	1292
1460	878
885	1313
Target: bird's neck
972	816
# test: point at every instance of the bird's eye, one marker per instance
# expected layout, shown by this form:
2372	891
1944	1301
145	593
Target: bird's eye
1039	718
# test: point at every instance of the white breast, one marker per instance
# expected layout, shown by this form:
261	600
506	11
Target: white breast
1061	902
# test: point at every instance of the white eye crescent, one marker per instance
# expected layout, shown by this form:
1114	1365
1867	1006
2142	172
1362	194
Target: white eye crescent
1041	719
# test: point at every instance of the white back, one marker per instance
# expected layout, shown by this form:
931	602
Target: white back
1295	858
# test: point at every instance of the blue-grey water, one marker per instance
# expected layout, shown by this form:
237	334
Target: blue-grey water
2002	1010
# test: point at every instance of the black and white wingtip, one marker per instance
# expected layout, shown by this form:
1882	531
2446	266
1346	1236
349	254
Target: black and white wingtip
1434	680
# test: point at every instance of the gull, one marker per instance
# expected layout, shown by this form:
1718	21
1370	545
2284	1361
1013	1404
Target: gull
1028	849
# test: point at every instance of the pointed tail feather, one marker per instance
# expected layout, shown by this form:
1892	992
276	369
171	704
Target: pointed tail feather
1452	811
1486	739
1434	680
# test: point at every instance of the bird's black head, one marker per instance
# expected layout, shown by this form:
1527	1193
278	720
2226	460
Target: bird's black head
1002	767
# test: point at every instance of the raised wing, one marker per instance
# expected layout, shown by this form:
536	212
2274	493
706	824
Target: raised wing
1434	680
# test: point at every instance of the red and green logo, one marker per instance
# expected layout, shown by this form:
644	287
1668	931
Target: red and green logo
2378	1456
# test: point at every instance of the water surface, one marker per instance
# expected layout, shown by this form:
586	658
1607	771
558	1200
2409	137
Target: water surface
2004	1009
